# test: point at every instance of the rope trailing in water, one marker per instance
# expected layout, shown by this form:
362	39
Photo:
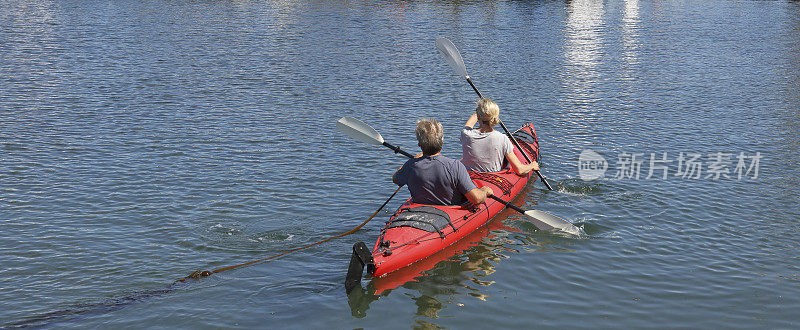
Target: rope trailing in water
198	274
120	302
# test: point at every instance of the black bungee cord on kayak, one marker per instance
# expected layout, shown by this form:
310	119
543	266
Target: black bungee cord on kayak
501	183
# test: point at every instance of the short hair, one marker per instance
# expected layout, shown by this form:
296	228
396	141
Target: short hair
430	135
488	110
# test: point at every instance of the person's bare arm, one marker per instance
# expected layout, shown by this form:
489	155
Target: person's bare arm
519	167
478	195
472	120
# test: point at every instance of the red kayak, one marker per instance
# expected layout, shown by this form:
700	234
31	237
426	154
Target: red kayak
416	231
406	274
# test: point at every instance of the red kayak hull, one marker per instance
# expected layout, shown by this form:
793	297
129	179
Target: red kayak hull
400	246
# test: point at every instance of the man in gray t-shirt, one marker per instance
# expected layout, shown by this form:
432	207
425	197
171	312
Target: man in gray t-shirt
436	179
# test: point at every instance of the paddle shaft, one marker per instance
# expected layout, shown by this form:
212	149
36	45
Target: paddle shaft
511	206
397	150
513	140
474	88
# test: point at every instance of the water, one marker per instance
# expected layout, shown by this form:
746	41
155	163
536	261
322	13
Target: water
140	142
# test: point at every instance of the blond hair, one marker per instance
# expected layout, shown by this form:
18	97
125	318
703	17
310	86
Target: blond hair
430	135
488	112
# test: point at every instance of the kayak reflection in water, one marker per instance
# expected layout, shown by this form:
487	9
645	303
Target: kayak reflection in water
484	149
436	179
449	275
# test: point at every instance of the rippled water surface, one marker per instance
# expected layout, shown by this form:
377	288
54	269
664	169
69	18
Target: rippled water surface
142	141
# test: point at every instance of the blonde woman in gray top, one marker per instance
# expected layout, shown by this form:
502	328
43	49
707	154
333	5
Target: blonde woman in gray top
485	149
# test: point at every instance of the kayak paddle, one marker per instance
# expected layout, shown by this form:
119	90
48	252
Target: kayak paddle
361	131
453	57
543	220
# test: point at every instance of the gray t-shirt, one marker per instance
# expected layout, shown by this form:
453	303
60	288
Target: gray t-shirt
436	180
484	152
